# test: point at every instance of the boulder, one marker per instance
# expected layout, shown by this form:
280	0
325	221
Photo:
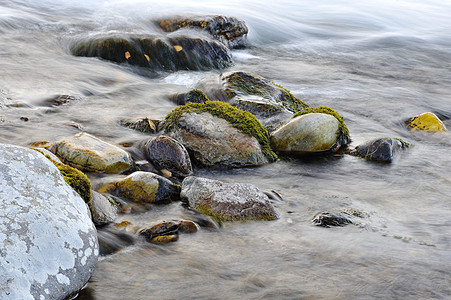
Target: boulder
48	243
102	210
270	103
228	30
87	152
143	187
426	122
380	149
167	153
156	53
217	134
307	133
227	202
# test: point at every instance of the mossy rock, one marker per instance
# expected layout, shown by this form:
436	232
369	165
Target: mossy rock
159	53
144	125
229	30
244	121
426	122
343	131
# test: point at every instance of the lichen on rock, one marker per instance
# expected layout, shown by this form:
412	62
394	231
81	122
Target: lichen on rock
426	122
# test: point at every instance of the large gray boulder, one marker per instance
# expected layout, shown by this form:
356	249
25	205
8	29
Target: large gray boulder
225	201
48	243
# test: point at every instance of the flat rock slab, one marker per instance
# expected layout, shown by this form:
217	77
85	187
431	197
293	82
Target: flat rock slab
48	243
227	202
89	153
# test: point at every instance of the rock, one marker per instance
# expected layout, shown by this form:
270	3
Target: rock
326	219
215	133
193	96
59	100
87	152
188	226
143	187
228	30
227	202
113	239
144	125
48	154
270	103
380	149
164	239
426	122
48	243
102	210
167	153
159	53
307	133
167	231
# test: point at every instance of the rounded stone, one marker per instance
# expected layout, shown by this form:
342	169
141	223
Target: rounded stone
309	133
167	153
380	149
426	122
87	152
48	243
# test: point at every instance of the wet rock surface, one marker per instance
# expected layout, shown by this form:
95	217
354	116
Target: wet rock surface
228	30
227	202
87	152
102	210
426	122
159	53
217	134
167	153
144	125
48	243
381	149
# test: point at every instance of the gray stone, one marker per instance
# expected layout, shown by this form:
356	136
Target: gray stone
227	202
213	141
48	243
167	153
309	133
380	149
102	210
89	153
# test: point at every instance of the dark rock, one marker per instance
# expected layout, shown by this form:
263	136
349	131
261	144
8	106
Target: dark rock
227	202
112	239
326	219
187	226
380	149
167	153
228	30
158	53
102	210
144	125
59	100
163	228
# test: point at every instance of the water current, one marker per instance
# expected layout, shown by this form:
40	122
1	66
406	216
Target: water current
376	62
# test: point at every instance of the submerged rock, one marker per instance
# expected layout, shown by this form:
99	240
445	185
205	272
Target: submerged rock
143	187
311	131
112	239
145	125
159	53
215	133
326	219
426	122
87	152
48	243
227	202
380	149
167	231
167	153
228	30
270	103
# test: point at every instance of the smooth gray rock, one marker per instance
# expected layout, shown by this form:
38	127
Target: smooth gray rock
102	210
48	243
227	202
380	149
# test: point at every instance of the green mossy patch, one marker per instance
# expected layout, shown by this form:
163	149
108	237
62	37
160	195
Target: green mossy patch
343	131
196	96
75	178
239	119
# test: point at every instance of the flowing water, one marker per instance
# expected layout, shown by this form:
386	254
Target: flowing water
377	63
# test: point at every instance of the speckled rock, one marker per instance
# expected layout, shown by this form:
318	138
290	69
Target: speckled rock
157	53
143	187
167	153
89	153
426	122
310	133
102	210
48	243
380	149
227	202
228	30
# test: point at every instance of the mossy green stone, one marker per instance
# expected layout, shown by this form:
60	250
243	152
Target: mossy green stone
244	121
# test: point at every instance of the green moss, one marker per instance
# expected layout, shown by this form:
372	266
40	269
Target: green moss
343	131
75	178
196	96
239	119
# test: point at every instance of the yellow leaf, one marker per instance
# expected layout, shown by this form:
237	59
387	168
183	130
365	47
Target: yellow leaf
147	57
127	55
178	48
